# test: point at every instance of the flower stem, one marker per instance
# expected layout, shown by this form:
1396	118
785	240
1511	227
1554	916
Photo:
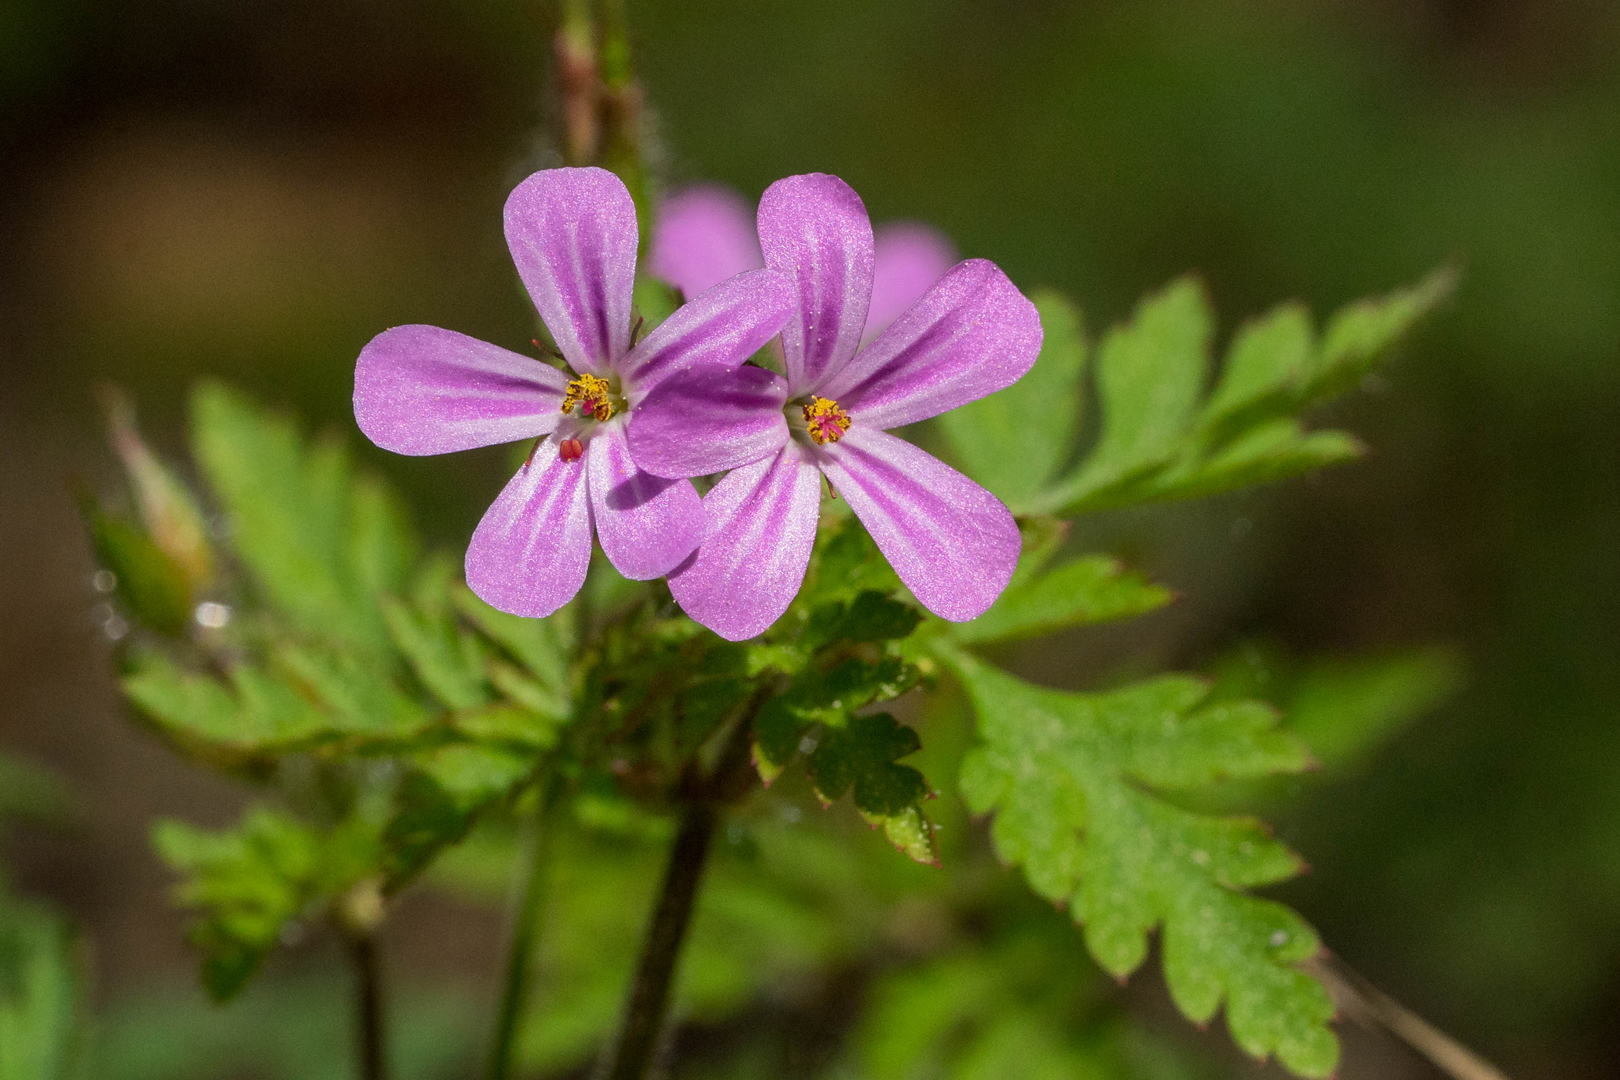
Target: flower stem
578	79
369	1006
649	994
707	790
526	927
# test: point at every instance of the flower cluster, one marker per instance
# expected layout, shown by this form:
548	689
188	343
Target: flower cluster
868	341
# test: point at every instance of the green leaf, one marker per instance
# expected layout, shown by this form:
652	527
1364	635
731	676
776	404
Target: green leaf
870	617
827	694
354	695
1149	376
1015	440
1088	590
230	723
862	757
540	645
449	663
441	798
321	547
153	586
1153	447
1344	707
1360	335
1261	455
1265	367
247	883
41	996
1072	779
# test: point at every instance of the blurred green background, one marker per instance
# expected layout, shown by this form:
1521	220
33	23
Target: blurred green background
251	189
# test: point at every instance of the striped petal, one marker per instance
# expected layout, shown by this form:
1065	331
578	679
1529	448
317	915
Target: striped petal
572	233
647	525
970	335
529	554
815	227
756	545
709	420
423	390
723	327
951	541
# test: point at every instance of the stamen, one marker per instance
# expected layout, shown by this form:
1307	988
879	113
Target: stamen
570	449
592	394
826	421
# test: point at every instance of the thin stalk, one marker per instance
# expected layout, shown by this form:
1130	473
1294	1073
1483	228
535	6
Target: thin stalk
369	1004
707	790
578	82
621	112
526	927
632	1056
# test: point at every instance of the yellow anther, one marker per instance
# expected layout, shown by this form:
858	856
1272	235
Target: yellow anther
826	421
592	394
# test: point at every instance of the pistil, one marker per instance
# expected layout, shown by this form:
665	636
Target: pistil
825	421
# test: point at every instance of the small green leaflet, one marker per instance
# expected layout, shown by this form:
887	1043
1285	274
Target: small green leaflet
321	546
1088	590
1159	441
863	756
1071	779
247	883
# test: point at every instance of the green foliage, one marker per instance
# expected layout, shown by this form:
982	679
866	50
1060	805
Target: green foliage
248	883
41	996
1088	590
1161	437
392	710
320	546
1072	779
862	756
1015	441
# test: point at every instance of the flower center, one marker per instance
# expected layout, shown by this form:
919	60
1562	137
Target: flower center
592	394
825	420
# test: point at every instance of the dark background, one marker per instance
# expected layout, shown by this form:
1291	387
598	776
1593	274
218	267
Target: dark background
252	189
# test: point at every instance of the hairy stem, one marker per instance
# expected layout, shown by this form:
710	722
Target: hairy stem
631	1057
649	995
621	119
578	82
369	1006
526	928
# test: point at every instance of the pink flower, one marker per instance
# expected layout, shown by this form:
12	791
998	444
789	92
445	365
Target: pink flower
952	543
705	235
423	390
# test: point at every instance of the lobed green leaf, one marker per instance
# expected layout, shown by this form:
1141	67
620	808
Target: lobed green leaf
1071	779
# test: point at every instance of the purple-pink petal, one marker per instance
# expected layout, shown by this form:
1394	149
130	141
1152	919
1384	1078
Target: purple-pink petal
704	235
815	227
572	233
529	554
908	258
761	527
952	542
723	326
423	390
647	525
972	334
709	420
